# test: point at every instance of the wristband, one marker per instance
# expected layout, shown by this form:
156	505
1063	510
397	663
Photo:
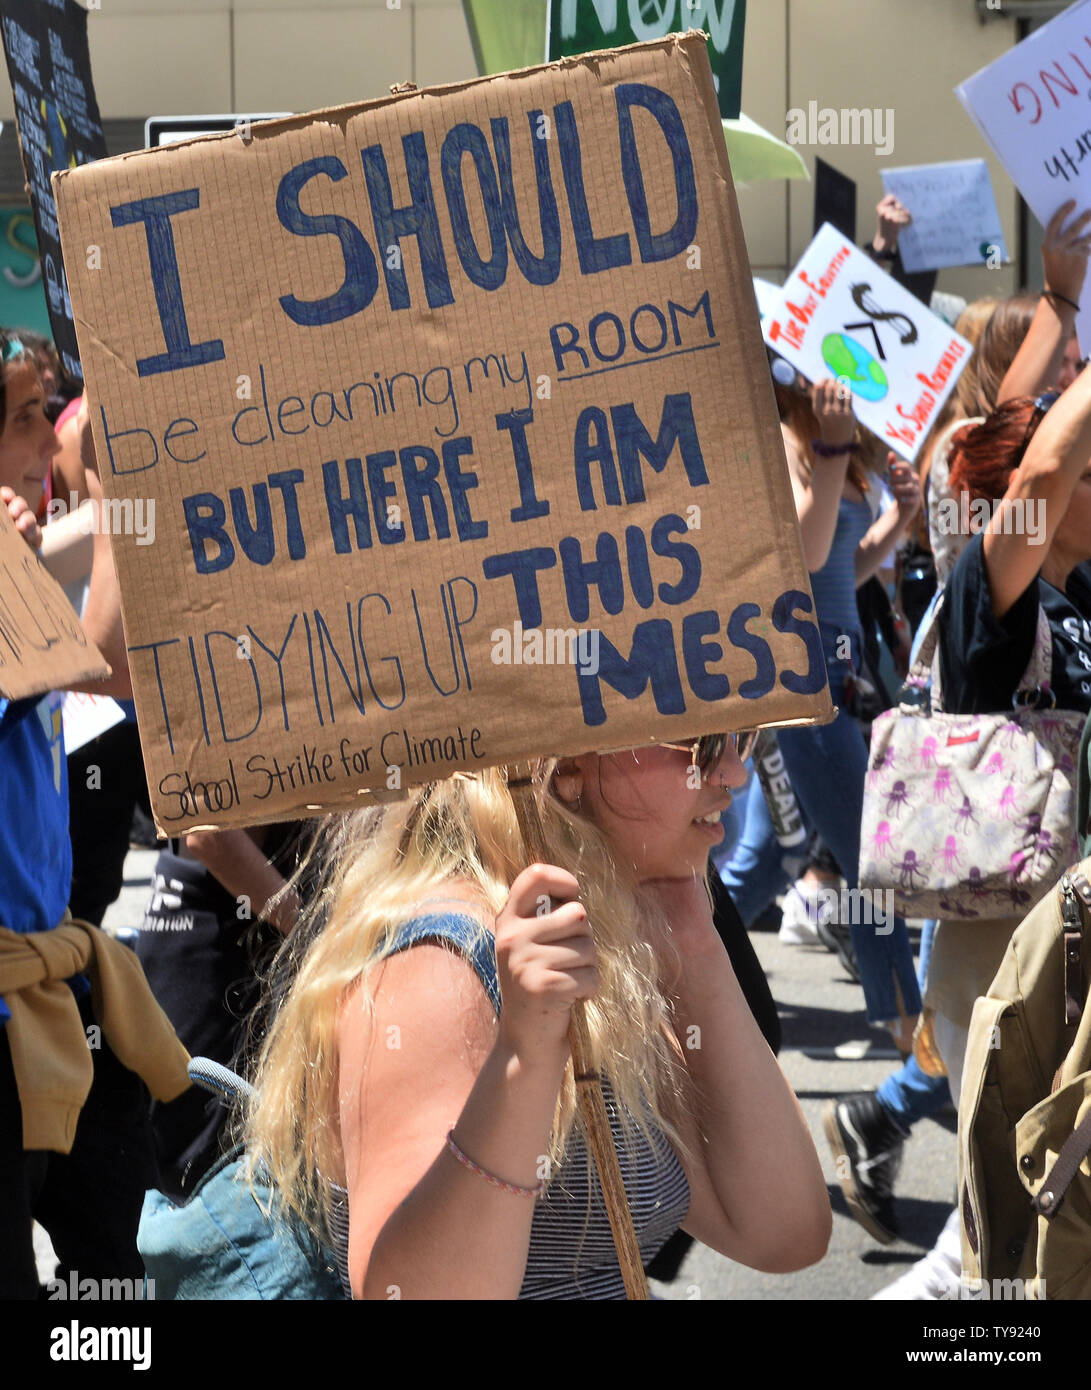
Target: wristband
1052	294
829	451
890	254
513	1188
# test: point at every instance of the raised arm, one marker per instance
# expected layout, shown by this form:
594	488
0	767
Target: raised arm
887	531
430	1056
240	865
757	1191
1037	364
891	217
102	615
67	545
818	491
1054	464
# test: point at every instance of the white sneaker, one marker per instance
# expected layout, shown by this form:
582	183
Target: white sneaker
937	1276
800	913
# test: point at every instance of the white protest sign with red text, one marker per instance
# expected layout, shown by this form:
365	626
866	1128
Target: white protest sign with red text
840	316
1032	107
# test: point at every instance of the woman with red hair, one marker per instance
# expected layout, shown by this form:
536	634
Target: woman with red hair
1029	473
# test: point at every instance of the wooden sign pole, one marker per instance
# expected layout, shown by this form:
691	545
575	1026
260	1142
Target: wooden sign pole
588	1082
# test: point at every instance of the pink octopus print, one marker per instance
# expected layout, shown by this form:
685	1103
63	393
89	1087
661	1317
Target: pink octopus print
908	869
1007	806
941	785
1050	727
883	761
1032	825
897	797
882	839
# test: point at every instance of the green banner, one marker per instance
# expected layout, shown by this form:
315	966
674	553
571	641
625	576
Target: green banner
507	34
22	297
578	26
510	34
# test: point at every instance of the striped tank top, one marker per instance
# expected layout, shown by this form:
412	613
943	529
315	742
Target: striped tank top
834	585
571	1254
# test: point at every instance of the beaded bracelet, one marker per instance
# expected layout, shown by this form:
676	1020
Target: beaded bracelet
829	451
1052	294
513	1188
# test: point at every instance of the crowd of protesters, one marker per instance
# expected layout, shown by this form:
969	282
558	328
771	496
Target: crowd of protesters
423	918
1019	428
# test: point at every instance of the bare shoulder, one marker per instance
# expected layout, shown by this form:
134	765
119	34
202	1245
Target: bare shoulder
410	1047
415	998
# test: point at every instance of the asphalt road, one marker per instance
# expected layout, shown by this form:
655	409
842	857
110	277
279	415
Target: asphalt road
829	1050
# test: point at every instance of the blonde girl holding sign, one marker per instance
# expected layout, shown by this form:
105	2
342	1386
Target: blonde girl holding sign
416	1102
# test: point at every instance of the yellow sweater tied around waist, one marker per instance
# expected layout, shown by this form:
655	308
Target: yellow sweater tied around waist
49	1049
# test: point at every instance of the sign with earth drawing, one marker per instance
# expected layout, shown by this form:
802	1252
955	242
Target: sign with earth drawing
840	316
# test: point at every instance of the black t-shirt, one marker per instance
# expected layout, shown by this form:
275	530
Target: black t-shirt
982	657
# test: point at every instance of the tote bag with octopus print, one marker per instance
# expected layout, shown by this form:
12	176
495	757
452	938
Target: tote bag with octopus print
970	815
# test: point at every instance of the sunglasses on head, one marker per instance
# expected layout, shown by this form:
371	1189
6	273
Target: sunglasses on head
1041	405
707	750
10	347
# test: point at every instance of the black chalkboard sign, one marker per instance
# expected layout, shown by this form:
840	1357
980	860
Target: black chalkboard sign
45	44
834	199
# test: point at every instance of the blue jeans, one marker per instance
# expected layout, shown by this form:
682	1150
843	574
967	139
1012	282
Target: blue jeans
909	1093
758	867
827	765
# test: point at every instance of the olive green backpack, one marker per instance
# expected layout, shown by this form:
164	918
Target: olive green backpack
1025	1110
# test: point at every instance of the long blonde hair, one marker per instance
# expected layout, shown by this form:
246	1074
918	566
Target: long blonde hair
380	863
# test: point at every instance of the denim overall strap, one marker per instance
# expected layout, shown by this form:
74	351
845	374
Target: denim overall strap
465	933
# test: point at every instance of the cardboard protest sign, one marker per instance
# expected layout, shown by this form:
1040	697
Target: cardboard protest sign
581	26
59	128
42	645
955	219
1031	106
451	406
841	316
